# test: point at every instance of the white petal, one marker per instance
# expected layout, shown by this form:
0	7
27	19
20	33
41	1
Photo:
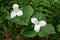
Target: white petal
20	13
13	14
15	7
34	20
42	23
37	28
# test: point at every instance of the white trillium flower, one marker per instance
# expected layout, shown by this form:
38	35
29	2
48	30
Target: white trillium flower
38	24
16	11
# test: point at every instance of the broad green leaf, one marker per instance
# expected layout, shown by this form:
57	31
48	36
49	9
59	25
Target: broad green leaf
58	28
56	0
48	29
39	16
0	0
28	32
23	20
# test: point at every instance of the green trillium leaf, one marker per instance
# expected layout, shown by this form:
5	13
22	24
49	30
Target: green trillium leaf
58	28
28	32
48	29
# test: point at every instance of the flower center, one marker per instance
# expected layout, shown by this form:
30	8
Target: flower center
16	11
38	23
